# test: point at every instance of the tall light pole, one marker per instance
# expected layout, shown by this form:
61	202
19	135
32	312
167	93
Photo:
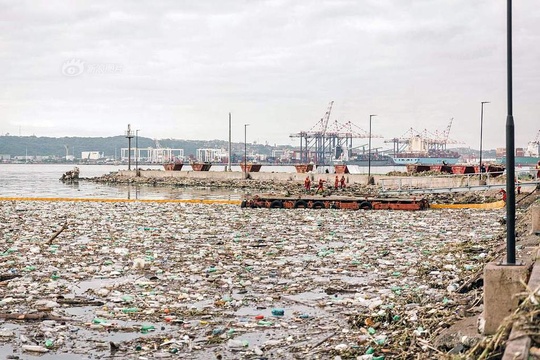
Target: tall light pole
369	150
510	155
229	160
245	150
129	136
481	127
137	152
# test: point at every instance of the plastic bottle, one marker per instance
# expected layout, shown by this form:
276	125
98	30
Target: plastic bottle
130	310
147	328
35	348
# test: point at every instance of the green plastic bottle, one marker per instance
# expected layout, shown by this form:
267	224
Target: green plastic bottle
130	310
146	328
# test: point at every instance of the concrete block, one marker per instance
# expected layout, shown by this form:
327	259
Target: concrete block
501	284
535	219
518	344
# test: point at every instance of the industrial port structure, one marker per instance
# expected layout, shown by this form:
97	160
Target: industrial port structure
328	141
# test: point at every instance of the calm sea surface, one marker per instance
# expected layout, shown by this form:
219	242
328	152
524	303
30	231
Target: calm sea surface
42	180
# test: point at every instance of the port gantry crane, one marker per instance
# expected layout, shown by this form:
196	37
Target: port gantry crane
433	141
319	144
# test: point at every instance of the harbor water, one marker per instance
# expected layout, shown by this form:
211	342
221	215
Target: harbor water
42	180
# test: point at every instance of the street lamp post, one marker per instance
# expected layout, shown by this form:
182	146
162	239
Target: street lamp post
510	146
481	127
245	150
230	148
369	150
137	152
129	136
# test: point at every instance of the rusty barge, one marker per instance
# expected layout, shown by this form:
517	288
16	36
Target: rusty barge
334	202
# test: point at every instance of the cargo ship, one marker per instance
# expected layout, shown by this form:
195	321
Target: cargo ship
431	157
529	157
422	151
344	156
376	160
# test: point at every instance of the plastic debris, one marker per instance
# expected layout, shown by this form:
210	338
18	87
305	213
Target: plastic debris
188	280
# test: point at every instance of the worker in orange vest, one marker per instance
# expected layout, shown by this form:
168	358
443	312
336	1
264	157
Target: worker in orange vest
321	186
343	181
307	183
336	183
503	192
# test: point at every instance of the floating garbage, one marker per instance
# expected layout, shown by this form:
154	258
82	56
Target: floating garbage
189	280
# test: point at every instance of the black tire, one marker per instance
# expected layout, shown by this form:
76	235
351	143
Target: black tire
318	205
276	204
300	204
366	205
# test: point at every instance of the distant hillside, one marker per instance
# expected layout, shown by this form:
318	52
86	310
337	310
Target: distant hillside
487	154
49	146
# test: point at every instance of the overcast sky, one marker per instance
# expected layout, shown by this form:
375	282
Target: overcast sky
175	69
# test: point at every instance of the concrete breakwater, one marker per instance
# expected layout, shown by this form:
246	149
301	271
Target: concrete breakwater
237	178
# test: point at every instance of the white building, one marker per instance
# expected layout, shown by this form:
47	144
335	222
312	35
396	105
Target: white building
211	155
152	155
91	155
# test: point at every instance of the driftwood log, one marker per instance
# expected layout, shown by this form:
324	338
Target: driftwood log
55	235
5	277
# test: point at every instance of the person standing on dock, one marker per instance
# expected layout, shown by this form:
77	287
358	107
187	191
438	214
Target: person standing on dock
336	183
307	183
342	181
320	187
503	192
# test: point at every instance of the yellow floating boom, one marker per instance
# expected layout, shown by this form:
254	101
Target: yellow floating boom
487	206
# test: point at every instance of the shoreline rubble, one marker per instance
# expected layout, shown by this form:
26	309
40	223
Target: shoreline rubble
288	188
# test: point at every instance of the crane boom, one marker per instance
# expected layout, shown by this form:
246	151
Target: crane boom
327	117
447	131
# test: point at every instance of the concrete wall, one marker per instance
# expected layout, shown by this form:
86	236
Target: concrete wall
388	182
535	219
232	175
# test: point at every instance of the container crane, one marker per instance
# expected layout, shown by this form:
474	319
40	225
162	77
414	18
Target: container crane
320	143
